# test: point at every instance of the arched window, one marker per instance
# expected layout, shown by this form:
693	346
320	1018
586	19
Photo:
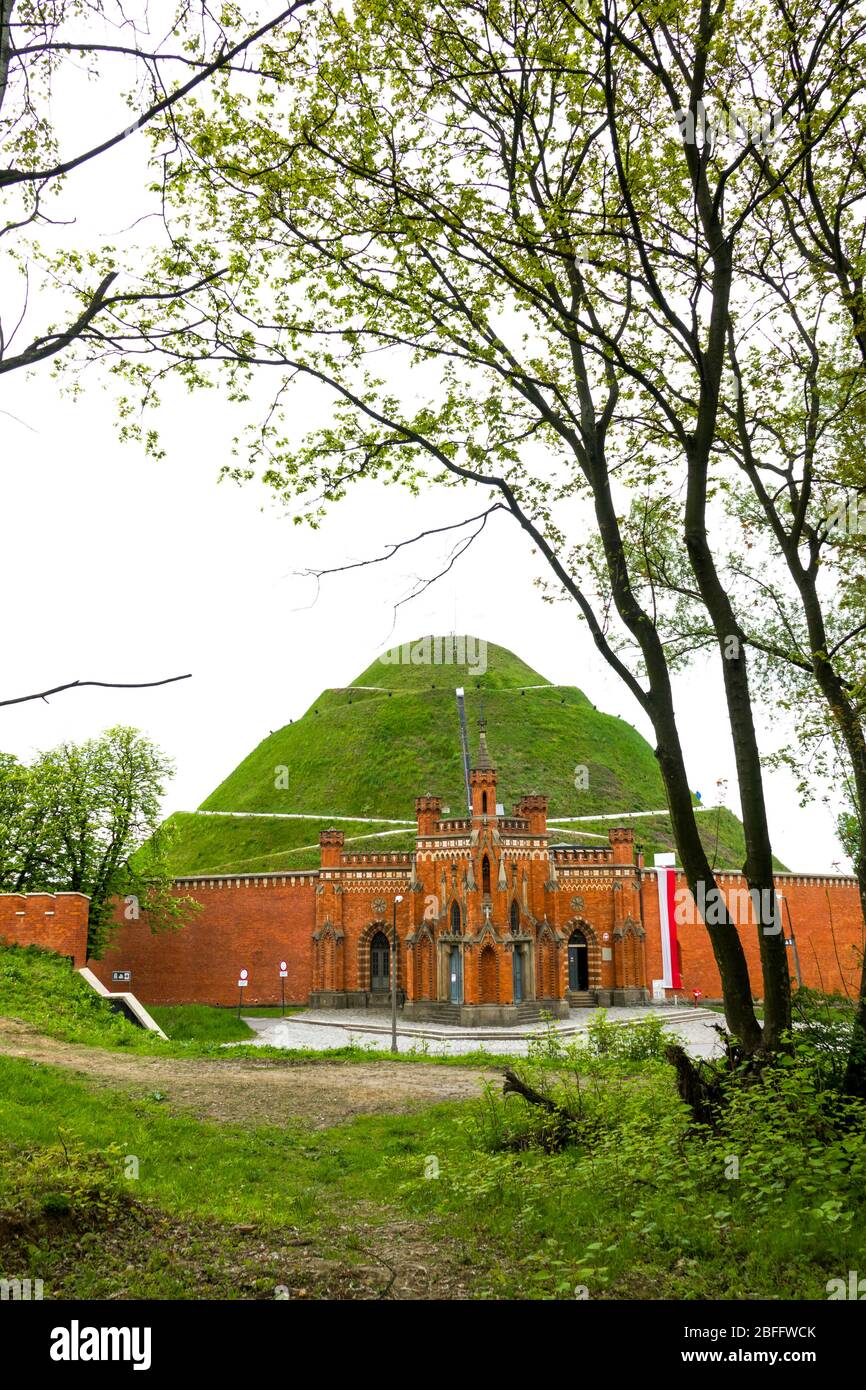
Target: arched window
484	803
515	916
485	875
455	919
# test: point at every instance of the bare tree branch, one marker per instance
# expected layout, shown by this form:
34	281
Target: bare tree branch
105	685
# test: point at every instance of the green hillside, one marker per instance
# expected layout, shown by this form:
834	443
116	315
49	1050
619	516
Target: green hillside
369	748
370	752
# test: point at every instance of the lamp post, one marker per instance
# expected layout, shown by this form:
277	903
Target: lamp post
398	899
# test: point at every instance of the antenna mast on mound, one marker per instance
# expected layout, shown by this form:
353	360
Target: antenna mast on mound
464	744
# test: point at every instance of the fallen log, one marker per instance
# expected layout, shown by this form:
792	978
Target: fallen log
513	1085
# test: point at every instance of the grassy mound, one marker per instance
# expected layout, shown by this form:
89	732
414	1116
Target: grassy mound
370	752
369	748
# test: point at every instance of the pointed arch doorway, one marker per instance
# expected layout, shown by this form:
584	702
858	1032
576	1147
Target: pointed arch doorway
380	964
578	962
455	975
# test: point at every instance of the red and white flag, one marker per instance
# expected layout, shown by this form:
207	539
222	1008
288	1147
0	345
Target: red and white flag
667	882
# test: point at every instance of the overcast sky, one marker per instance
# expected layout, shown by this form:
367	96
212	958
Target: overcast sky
115	567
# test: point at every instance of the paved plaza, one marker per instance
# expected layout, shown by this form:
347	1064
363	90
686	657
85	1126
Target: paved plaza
328	1028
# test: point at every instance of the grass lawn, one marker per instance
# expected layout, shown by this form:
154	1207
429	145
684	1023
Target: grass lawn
39	988
103	1195
179	1173
209	1023
200	1023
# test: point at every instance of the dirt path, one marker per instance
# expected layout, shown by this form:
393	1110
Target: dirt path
320	1094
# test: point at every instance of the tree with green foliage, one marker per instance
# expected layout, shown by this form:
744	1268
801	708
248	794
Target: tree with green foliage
85	818
43	45
512	201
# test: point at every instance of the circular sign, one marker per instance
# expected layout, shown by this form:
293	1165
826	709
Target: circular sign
244	974
283	965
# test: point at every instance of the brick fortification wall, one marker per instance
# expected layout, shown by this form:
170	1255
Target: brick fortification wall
55	921
254	922
249	923
498	878
824	912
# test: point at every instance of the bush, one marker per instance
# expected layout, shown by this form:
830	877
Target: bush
62	1182
645	1203
640	1040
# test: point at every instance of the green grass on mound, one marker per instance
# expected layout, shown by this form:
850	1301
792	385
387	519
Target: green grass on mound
720	831
371	752
40	987
259	845
369	748
229	844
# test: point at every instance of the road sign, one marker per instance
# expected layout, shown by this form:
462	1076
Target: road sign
242	984
284	970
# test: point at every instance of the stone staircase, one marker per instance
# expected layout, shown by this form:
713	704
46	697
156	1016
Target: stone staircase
528	1012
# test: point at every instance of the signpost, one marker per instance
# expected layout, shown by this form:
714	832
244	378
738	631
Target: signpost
394	1048
242	984
284	970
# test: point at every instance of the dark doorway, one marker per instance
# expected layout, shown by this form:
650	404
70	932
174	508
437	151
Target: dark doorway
455	975
578	962
488	972
380	963
517	971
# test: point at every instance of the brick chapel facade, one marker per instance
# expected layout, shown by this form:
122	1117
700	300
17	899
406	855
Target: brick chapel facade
494	923
490	927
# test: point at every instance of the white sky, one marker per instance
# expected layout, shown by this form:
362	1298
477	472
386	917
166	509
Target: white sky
114	567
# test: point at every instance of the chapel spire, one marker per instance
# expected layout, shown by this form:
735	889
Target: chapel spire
482	777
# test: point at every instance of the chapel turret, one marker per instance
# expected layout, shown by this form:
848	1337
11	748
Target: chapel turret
482	778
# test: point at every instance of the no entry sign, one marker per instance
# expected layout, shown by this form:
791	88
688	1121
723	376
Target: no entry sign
284	970
243	981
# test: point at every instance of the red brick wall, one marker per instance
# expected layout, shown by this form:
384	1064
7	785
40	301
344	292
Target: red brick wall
55	921
255	922
245	923
827	922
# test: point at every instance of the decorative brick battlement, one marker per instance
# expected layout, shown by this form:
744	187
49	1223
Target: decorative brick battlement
583	854
376	860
